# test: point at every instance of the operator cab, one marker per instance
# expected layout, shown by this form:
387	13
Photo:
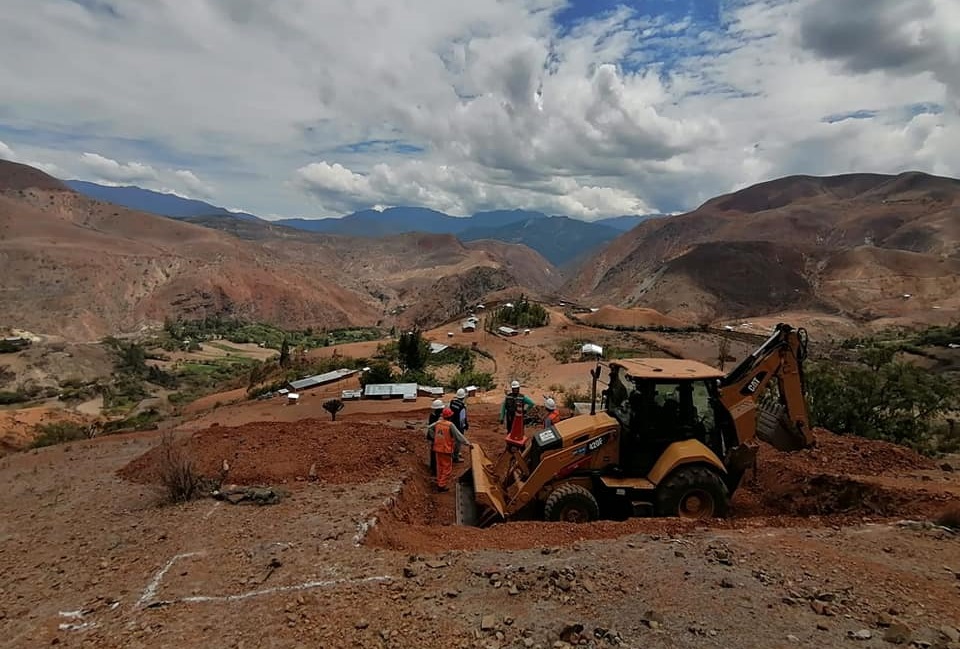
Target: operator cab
658	402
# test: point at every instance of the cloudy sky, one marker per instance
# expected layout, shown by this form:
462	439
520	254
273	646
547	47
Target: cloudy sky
588	108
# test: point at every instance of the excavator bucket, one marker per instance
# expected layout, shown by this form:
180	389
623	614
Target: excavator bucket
775	428
479	498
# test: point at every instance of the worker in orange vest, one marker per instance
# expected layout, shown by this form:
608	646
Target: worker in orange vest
553	415
444	434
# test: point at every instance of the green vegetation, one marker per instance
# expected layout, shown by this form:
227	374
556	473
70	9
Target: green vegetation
483	380
900	340
879	397
241	332
380	372
58	433
523	314
412	351
133	377
198	378
568	350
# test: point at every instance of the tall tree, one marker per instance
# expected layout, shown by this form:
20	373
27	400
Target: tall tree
285	354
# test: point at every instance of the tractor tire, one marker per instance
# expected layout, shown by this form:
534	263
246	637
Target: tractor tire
693	492
571	503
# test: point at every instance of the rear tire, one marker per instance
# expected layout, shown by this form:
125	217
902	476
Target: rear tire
693	492
571	503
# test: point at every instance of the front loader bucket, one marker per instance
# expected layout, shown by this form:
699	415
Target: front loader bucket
479	498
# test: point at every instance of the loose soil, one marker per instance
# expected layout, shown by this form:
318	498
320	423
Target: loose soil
839	481
285	452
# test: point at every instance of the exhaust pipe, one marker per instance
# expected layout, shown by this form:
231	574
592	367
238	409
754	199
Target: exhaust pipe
595	373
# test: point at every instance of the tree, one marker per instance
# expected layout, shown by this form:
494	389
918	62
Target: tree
333	406
379	372
880	398
412	351
285	354
723	351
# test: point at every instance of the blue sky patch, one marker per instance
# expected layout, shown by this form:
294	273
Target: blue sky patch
856	114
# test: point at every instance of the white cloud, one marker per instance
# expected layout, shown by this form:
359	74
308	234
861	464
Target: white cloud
6	153
106	171
488	104
111	171
193	184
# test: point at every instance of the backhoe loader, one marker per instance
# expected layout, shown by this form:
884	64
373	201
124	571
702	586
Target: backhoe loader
672	438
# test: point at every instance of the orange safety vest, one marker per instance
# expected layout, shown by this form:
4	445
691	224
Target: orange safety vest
553	417
443	436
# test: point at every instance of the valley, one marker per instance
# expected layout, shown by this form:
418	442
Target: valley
153	339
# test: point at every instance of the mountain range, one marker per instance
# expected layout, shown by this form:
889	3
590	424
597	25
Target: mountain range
862	246
83	268
561	240
856	248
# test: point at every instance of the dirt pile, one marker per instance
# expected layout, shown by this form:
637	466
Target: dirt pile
844	475
848	455
611	316
281	452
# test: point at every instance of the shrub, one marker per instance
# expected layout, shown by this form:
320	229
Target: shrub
572	398
58	433
177	472
483	380
10	398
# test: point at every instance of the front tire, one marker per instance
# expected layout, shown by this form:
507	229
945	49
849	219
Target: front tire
693	492
571	503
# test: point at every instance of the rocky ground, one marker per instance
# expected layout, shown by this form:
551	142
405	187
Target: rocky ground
361	553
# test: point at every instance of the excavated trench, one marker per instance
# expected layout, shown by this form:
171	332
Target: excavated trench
840	481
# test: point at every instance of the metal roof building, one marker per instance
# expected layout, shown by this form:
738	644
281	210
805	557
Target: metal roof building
407	391
320	379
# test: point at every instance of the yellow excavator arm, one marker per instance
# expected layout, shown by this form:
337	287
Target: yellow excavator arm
786	424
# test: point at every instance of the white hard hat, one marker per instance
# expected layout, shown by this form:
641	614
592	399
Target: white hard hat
551	404
437	404
515	384
461	394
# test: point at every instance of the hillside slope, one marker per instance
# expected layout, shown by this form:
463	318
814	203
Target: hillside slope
82	268
852	244
561	240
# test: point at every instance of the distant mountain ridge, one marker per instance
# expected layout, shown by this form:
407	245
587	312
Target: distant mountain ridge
152	202
560	239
